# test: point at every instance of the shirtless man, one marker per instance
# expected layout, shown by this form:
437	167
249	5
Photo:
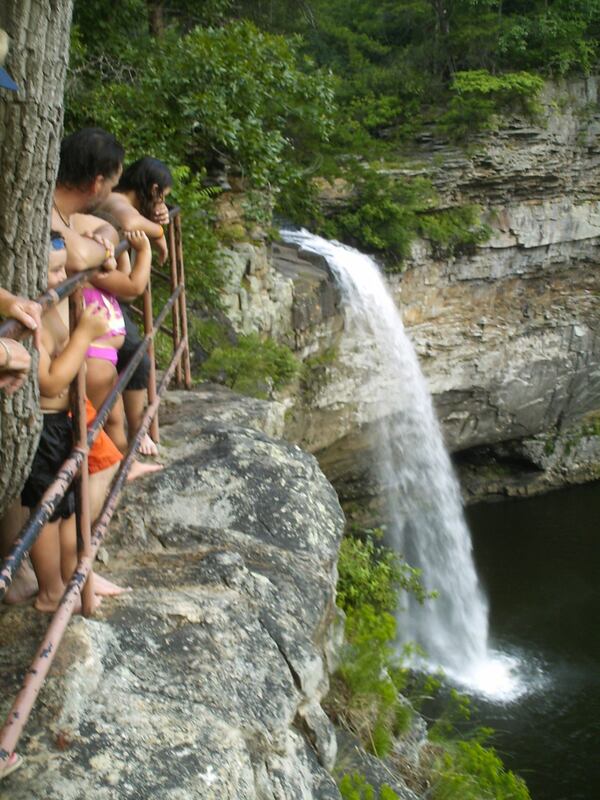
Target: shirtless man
91	162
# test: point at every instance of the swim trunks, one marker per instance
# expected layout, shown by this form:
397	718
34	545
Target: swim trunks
104	452
56	443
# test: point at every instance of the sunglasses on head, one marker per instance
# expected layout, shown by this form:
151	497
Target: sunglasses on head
58	243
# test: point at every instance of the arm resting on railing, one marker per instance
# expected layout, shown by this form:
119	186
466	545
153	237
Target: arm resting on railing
55	374
128	287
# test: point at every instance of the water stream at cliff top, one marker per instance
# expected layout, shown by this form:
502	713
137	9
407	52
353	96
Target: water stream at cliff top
425	520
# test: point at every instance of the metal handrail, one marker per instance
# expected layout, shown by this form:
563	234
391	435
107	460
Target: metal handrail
76	464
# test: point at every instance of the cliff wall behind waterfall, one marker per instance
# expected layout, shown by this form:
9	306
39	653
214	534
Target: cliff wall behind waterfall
507	334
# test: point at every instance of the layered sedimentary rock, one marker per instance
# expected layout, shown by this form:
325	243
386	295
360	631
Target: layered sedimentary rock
508	334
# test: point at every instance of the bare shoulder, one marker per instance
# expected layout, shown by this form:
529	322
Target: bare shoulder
117	203
86	223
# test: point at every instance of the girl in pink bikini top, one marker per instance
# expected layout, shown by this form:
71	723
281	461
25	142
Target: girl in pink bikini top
116	332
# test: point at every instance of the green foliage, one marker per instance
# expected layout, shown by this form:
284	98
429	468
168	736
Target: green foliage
453	230
371	674
371	575
251	366
198	98
234	91
355	786
478	97
470	771
382	214
385	215
467	769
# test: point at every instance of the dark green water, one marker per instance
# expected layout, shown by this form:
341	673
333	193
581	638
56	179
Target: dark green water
539	561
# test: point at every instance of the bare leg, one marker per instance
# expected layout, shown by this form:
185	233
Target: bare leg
101	376
68	548
99	484
135	406
24	583
46	559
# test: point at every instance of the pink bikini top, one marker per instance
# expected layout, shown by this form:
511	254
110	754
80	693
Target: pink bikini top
111	304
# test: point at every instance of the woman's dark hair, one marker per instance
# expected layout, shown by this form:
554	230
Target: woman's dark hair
140	177
87	153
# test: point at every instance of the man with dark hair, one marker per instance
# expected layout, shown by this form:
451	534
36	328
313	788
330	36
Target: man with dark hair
91	162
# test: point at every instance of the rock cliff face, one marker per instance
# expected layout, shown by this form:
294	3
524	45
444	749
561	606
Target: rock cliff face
508	335
206	681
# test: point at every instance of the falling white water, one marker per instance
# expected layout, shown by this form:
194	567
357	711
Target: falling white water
425	516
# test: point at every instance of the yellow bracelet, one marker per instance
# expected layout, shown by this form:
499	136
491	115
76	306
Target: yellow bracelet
107	254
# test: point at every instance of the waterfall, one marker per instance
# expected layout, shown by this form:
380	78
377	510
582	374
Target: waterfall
424	508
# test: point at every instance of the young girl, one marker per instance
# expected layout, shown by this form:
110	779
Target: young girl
138	204
54	554
102	356
138	201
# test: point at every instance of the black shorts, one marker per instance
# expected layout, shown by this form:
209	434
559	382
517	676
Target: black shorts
56	443
139	379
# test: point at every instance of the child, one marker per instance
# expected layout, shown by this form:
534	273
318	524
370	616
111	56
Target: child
138	204
54	554
125	282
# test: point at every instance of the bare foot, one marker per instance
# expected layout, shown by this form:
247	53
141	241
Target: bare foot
96	603
106	588
147	446
138	468
13	763
23	587
48	605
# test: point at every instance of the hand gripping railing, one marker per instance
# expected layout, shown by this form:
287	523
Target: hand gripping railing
76	468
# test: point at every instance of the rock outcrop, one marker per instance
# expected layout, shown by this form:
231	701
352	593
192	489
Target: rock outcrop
206	680
508	334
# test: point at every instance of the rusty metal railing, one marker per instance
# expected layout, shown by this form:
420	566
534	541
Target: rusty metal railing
75	467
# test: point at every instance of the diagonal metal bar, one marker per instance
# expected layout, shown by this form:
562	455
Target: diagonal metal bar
35	676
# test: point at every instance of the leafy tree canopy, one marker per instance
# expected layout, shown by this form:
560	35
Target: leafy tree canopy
282	91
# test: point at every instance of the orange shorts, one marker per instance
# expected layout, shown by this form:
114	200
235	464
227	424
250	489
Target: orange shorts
104	452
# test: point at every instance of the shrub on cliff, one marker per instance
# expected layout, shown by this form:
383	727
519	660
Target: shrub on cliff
251	366
478	97
365	693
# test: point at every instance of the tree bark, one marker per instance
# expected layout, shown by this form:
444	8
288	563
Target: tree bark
30	134
156	19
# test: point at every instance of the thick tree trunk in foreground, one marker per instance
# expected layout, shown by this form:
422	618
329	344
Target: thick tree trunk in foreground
30	133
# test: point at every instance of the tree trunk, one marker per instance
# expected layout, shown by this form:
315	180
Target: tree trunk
156	18
30	133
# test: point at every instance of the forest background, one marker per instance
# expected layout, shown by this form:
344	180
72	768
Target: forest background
287	97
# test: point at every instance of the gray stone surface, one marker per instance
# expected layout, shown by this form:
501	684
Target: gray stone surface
205	681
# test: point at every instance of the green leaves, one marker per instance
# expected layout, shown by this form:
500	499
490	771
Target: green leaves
251	366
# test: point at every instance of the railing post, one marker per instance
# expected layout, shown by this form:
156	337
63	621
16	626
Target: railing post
182	303
174	281
148	326
82	489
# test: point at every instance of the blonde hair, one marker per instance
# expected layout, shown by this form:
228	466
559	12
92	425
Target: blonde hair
3	45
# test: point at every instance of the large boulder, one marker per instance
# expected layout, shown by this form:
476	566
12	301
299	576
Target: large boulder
206	680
